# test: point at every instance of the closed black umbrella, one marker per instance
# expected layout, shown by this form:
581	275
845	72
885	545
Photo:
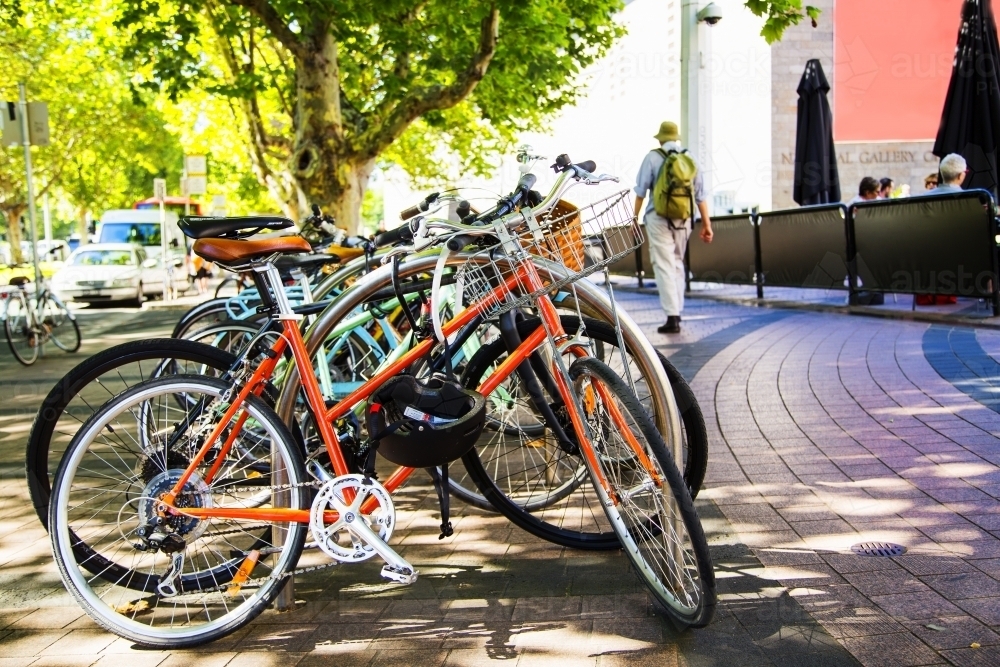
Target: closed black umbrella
971	119
816	177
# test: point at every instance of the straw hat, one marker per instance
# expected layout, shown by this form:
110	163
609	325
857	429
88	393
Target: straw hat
668	132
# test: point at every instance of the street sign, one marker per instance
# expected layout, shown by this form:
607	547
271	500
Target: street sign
219	206
159	189
196	185
10	124
38	124
195	165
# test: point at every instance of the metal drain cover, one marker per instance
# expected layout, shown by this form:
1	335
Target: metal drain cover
878	549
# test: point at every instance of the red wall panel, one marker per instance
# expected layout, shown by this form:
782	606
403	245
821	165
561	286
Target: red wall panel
892	65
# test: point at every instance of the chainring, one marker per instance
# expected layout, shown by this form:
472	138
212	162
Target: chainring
335	538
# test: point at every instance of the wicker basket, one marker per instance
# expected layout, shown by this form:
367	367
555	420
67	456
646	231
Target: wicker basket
608	222
563	241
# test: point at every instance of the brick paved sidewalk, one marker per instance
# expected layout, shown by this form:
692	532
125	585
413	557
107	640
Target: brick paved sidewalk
831	430
826	430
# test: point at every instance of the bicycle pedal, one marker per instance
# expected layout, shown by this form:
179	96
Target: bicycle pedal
399	575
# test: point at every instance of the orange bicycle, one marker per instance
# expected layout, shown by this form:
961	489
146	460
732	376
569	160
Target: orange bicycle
182	506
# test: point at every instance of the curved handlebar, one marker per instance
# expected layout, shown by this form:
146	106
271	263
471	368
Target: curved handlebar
457	243
417	209
394	236
408	213
505	213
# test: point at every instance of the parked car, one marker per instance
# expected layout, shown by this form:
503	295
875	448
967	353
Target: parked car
53	254
101	272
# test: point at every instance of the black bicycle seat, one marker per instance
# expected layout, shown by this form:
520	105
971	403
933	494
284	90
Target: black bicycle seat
207	227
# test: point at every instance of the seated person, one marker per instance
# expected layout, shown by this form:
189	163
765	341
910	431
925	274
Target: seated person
953	171
867	191
931	181
885	186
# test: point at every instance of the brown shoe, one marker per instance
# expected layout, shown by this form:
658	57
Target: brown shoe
672	326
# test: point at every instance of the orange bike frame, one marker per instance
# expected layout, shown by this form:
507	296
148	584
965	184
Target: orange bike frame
526	274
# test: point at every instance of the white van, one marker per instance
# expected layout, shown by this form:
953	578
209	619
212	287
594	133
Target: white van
141	227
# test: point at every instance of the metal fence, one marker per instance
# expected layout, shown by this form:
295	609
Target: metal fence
930	244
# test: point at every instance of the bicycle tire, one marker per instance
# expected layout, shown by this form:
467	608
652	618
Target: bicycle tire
112	532
693	424
228	282
673	562
200	316
536	520
232	336
66	317
18	327
42	456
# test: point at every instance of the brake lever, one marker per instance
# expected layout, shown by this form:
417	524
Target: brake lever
593	180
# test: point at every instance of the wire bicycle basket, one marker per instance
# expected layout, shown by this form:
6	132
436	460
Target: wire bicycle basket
583	240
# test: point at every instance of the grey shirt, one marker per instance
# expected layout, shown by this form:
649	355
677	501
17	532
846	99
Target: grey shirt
650	169
942	189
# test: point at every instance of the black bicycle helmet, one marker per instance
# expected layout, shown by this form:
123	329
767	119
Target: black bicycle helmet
425	423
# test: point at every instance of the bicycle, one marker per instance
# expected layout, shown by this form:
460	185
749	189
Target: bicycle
182	487
232	286
78	394
32	320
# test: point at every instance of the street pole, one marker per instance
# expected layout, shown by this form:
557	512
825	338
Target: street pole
26	137
696	107
165	249
690	66
47	220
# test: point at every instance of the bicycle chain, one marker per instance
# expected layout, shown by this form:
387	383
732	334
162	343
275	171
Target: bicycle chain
315	483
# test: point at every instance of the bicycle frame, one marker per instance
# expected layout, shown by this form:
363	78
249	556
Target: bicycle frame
526	274
30	302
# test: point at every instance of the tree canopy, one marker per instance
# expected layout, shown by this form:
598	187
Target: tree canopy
327	88
295	101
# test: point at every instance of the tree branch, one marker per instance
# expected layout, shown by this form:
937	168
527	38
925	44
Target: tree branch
431	98
276	24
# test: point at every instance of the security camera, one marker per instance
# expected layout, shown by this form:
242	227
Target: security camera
710	13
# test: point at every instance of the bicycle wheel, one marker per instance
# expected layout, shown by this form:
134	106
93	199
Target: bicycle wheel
22	338
523	473
693	430
647	502
60	323
694	434
191	589
232	336
201	316
229	286
79	393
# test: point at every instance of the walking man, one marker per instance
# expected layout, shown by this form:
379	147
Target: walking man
677	199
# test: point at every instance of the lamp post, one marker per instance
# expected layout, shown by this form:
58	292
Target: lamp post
696	99
26	137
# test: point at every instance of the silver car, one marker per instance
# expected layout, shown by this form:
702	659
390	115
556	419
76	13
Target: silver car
101	272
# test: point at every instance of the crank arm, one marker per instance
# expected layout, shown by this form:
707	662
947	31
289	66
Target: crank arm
396	568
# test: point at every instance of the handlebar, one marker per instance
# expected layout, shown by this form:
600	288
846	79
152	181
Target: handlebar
457	243
394	236
509	203
417	209
505	213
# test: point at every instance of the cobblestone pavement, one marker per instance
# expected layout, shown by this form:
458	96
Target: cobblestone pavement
826	430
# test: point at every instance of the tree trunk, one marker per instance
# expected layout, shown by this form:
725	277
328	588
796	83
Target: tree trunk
345	204
323	164
81	225
14	214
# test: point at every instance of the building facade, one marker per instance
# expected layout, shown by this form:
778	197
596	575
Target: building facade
889	64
